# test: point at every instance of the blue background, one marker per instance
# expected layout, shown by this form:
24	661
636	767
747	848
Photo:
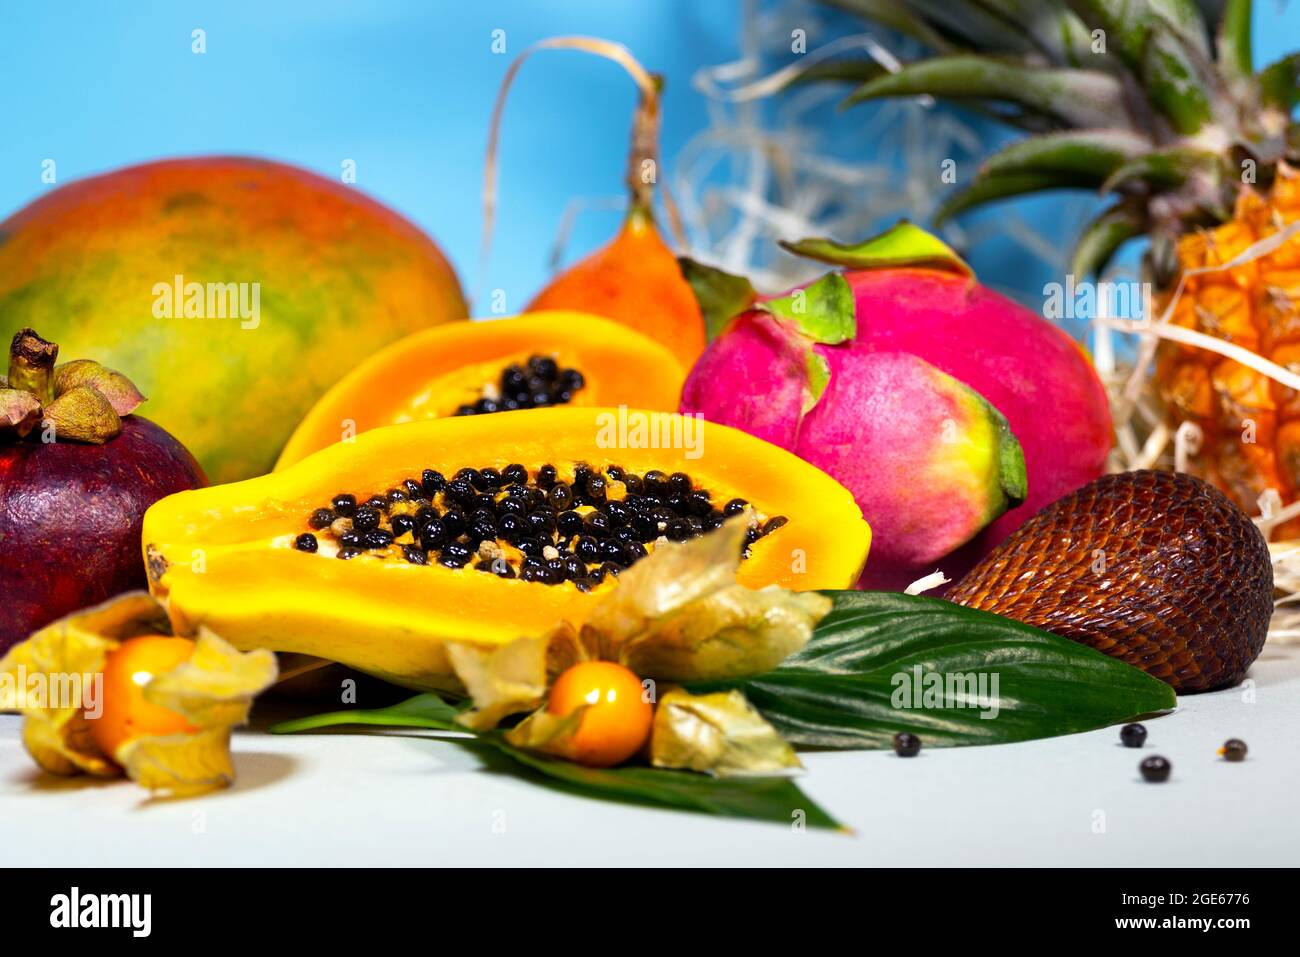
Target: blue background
403	88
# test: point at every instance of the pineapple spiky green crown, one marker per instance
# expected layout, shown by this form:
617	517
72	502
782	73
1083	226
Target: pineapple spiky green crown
1154	102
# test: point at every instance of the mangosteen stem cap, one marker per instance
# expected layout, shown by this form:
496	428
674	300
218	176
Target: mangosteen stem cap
80	400
31	365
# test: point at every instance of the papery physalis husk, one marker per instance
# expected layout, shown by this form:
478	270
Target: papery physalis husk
514	677
548	733
719	733
213	690
680	615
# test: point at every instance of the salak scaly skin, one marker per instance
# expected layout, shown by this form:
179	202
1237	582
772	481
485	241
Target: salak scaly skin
1158	569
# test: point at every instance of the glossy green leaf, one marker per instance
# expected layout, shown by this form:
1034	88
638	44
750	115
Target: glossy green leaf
1089	98
774	799
845	689
823	311
904	244
721	295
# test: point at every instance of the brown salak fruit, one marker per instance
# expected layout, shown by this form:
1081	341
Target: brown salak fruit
1158	569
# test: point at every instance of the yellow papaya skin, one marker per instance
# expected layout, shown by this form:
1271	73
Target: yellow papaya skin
428	374
221	557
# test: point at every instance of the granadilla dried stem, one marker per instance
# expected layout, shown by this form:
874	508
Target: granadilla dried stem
31	365
645	133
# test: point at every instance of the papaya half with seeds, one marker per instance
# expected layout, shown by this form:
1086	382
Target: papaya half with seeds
377	552
492	366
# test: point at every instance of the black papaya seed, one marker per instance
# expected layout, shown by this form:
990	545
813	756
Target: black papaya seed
432	482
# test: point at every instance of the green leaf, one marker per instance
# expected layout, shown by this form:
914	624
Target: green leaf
1104	235
422	711
773	799
897	16
842	71
1173	83
903	244
1087	98
721	295
1279	82
1088	155
840	691
988	188
1160	170
1234	47
824	311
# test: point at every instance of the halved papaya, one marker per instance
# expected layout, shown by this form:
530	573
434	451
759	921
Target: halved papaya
453	369
259	561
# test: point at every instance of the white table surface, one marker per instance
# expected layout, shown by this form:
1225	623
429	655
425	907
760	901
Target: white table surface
406	799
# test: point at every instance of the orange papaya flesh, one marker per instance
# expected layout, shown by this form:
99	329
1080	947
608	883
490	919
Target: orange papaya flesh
225	557
432	373
636	281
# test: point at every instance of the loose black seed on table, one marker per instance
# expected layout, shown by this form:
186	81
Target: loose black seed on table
1133	735
906	744
306	542
1155	769
1234	749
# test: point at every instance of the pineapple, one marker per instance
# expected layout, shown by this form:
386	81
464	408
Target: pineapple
1156	104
